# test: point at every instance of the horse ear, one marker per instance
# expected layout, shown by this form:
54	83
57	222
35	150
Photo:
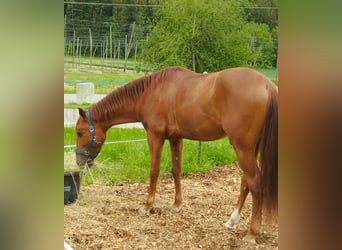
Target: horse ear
82	113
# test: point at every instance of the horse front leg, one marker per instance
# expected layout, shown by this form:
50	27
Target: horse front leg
155	146
176	152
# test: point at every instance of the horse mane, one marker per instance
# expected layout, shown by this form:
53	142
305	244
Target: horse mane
129	93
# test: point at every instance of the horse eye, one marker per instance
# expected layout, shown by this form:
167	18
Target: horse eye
79	133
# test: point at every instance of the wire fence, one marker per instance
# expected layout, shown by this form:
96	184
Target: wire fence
111	142
140	140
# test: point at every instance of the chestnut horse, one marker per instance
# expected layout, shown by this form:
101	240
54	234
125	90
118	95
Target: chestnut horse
177	103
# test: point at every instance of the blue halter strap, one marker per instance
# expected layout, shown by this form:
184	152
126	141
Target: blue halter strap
93	140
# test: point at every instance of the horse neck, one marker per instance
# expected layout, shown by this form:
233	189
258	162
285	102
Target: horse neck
110	111
120	106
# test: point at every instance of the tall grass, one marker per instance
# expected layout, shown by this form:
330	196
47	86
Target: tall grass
131	161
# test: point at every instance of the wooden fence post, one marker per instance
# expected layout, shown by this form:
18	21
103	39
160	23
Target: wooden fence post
90	48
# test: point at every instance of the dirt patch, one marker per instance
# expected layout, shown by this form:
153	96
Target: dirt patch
104	217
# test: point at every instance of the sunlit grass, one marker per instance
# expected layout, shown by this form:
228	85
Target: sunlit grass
105	82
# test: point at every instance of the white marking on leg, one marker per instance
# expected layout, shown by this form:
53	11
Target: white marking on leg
233	220
67	246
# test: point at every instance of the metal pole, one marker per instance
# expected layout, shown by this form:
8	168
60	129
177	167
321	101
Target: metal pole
199	152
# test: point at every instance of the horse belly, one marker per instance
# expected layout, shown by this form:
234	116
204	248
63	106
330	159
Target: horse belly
202	128
203	136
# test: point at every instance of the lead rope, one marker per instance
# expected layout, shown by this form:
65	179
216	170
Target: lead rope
75	184
91	175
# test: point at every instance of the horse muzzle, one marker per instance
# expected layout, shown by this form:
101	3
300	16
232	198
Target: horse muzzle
85	160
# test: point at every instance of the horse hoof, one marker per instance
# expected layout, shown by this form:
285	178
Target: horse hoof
174	209
230	224
250	238
233	220
142	211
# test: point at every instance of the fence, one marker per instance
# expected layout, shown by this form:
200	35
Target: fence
112	142
112	53
140	140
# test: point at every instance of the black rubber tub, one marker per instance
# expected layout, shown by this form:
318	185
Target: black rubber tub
72	183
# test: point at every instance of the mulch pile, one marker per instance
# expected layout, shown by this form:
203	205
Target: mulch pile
105	217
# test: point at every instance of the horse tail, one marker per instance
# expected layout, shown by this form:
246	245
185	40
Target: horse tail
268	148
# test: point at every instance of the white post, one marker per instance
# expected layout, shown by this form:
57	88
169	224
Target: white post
85	92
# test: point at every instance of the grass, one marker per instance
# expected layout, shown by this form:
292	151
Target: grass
270	73
70	88
131	161
98	77
105	82
74	105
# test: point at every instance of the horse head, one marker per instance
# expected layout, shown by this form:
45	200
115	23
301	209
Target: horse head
90	138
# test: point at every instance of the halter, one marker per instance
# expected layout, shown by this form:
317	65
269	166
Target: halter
93	140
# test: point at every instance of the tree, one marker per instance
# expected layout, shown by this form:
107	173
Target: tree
101	18
199	35
259	45
264	11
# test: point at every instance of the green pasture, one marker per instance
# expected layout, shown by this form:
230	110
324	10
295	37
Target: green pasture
105	82
130	161
270	73
75	105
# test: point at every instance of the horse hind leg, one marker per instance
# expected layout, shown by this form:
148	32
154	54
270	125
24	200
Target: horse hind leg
176	152
234	218
250	182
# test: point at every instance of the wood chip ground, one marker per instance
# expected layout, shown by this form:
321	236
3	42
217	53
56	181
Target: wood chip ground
105	217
